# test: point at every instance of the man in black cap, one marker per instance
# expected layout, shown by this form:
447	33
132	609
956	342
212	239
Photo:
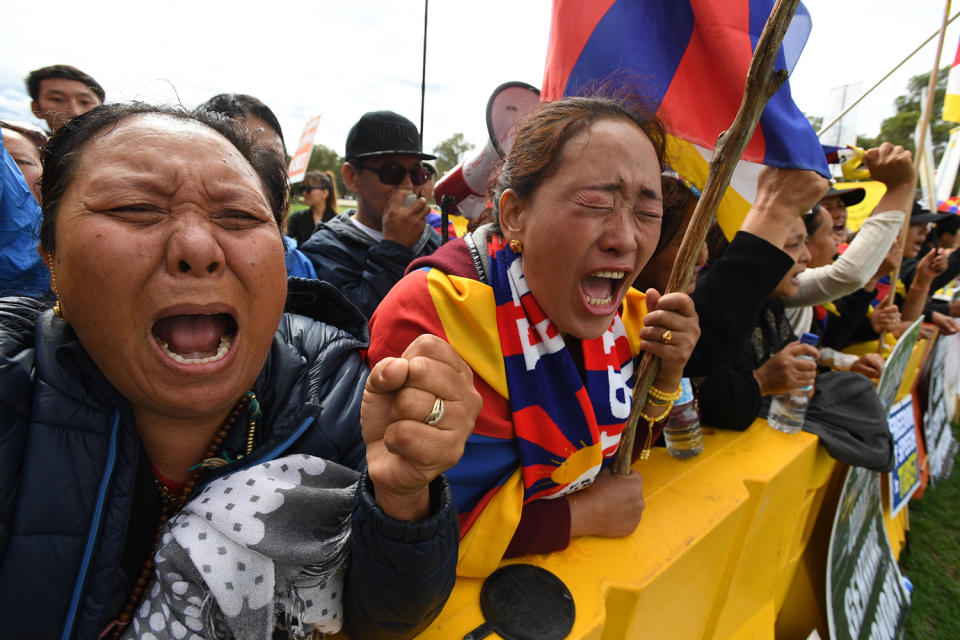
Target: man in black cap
836	202
365	252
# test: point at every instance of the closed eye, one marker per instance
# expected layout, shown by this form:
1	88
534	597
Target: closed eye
603	208
136	208
237	219
143	214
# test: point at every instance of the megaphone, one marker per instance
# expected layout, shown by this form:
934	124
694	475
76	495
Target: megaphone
467	182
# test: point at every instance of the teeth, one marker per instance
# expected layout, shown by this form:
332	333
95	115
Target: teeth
598	301
613	275
225	342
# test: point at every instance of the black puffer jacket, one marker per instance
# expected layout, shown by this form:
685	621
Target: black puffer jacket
69	455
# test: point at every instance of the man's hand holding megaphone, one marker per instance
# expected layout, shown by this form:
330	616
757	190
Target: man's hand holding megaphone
404	216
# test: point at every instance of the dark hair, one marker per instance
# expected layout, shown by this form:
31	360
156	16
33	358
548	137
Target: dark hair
538	146
65	150
238	105
717	243
812	220
324	180
34	136
950	224
61	71
678	201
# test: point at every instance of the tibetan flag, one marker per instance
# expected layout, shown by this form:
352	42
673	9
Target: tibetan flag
691	57
951	102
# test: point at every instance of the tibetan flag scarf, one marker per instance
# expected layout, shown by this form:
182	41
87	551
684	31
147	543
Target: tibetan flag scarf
567	426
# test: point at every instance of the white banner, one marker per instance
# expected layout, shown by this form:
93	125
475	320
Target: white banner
301	157
928	183
949	164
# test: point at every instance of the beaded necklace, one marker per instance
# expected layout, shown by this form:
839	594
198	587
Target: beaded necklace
173	498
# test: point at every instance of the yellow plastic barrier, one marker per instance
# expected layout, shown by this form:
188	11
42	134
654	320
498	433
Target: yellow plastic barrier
732	545
714	557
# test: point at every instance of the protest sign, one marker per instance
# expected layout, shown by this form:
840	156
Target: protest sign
905	477
941	403
865	593
301	157
896	365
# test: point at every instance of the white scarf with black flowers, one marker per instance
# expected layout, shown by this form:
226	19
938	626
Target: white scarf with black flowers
260	549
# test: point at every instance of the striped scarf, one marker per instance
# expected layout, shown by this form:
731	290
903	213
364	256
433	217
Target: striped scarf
567	426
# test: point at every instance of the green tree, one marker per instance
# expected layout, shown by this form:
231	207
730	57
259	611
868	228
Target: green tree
899	128
450	152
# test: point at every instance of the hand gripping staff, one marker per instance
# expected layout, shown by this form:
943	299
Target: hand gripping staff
762	83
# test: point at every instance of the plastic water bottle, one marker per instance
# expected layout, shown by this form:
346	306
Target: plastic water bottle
787	410
682	429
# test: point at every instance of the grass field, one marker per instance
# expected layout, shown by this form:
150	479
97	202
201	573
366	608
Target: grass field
932	561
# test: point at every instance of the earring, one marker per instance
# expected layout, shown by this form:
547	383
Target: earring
57	311
516	246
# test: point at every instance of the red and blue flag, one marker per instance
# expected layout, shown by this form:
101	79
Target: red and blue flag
692	58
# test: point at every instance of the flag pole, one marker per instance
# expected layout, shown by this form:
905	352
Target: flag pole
762	83
921	143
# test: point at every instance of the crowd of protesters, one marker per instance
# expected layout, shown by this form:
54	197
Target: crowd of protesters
176	346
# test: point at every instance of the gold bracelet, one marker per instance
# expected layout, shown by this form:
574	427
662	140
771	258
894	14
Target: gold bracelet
651	419
663	395
648	444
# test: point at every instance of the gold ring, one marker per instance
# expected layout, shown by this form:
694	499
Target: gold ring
666	337
436	414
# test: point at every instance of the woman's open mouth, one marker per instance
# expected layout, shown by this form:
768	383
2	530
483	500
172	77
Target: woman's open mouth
195	339
601	288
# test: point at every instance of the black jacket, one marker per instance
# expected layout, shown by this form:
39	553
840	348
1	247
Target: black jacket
300	225
70	456
729	297
363	269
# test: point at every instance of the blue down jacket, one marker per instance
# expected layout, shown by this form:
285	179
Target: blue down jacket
22	272
69	453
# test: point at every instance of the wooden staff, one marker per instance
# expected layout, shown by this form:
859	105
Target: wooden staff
921	143
762	83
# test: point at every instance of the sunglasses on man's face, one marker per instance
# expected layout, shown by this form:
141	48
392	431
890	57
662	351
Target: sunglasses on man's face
393	173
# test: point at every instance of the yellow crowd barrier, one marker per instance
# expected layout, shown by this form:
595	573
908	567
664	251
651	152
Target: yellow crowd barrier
732	545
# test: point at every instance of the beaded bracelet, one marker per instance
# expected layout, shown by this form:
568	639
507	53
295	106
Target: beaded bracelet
663	395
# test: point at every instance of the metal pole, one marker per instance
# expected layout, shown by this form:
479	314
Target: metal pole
881	80
423	75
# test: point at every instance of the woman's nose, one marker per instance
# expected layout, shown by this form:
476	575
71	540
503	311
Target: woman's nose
192	248
621	233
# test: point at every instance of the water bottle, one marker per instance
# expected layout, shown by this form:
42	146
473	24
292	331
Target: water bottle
787	410
682	429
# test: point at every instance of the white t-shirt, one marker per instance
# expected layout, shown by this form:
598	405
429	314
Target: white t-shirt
373	233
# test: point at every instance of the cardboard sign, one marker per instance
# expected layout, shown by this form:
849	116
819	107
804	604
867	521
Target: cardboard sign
941	402
301	157
896	365
905	477
865	593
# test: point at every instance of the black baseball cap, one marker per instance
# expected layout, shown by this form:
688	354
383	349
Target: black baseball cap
850	197
921	214
380	133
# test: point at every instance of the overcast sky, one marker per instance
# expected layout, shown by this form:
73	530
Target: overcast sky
341	59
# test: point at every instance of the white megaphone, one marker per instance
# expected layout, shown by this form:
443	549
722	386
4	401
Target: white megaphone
467	182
